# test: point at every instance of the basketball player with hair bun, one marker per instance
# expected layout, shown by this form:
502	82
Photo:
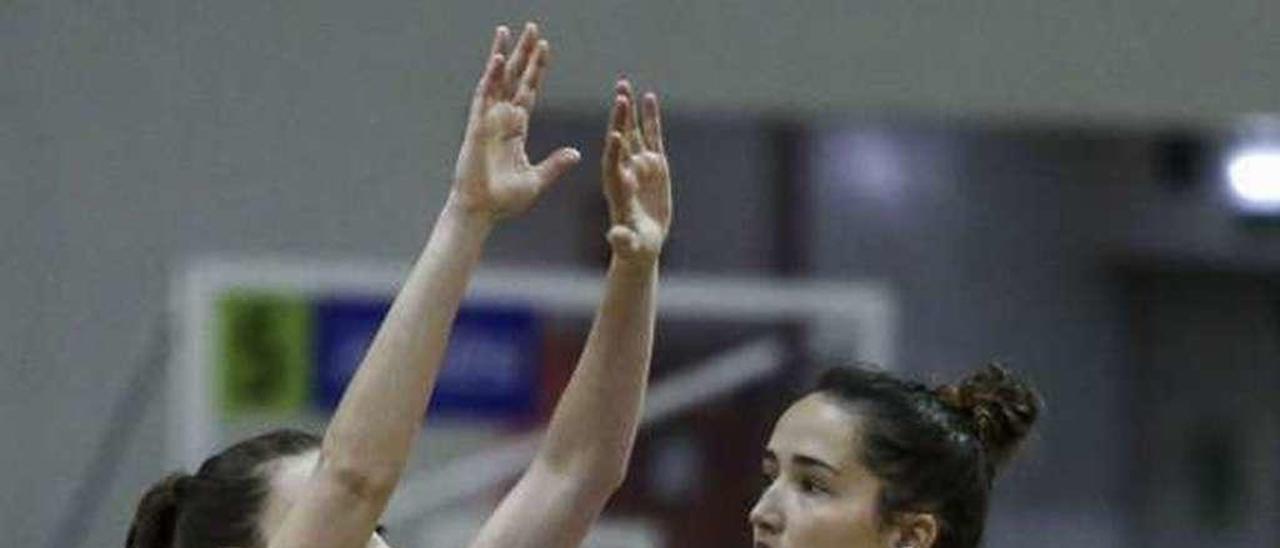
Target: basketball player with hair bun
868	460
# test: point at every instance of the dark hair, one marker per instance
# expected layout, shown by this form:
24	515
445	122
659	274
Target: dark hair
219	505
937	450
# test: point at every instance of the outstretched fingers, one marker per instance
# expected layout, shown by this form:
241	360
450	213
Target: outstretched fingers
618	114
531	80
515	76
500	36
614	141
652	122
520	58
490	84
617	185
630	130
613	157
490	87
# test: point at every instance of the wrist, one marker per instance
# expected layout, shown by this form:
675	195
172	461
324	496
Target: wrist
634	264
458	214
458	208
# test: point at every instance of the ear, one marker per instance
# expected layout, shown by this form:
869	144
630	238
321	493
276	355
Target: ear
914	530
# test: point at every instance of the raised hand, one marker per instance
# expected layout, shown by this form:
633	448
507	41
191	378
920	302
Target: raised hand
637	179
493	176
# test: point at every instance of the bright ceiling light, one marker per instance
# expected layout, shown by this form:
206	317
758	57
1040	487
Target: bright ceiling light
1255	178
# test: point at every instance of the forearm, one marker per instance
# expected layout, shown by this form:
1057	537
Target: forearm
382	409
594	425
583	458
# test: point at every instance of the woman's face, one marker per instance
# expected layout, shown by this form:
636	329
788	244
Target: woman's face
288	483
818	494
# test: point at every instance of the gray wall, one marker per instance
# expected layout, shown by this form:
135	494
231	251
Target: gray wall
1208	467
985	237
134	134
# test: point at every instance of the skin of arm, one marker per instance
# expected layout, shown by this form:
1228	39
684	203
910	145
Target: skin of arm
583	459
367	443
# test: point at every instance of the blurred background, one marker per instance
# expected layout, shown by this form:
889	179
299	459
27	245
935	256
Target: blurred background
1081	190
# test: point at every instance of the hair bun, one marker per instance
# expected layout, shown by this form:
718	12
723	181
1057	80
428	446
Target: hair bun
1001	406
157	514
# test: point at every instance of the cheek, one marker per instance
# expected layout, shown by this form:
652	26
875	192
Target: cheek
835	523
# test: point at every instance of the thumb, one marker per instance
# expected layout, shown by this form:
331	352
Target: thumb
622	239
555	165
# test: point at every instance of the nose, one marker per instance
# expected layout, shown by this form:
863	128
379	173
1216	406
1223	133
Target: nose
766	516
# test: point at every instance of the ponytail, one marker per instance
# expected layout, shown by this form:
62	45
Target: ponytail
156	519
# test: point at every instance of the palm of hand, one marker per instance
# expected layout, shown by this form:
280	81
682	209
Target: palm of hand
644	204
493	168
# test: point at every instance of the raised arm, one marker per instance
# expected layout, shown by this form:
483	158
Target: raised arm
367	443
583	459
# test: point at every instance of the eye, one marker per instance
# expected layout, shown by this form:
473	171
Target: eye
768	471
381	530
813	486
766	477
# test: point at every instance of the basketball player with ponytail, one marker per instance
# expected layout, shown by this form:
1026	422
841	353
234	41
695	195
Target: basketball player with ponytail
288	489
872	461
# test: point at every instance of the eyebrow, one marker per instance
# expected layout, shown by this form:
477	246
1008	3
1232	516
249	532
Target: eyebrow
804	461
813	462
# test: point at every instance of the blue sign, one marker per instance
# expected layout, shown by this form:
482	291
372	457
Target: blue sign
491	367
